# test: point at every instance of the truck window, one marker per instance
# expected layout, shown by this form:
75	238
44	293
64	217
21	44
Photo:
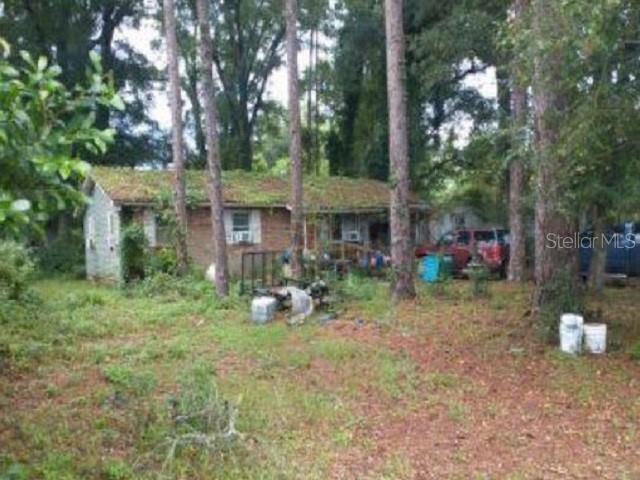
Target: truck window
486	236
463	238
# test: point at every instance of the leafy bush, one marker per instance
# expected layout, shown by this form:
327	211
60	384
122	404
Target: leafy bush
172	288
16	269
635	351
65	254
133	252
162	260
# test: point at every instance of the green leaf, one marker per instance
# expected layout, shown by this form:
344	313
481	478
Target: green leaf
9	71
26	56
42	63
117	103
21	205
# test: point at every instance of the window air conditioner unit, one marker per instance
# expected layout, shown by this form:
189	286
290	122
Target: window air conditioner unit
353	236
242	237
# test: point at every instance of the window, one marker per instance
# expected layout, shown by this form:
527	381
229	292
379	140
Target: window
91	232
111	230
350	228
241	227
486	236
463	238
164	231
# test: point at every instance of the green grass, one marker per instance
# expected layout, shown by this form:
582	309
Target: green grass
113	360
97	381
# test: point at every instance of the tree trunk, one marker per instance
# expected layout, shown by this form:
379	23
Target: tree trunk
401	245
244	138
316	116
295	140
213	152
549	103
176	137
517	251
599	255
191	88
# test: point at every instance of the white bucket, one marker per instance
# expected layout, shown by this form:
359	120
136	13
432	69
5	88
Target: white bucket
571	333
595	337
263	309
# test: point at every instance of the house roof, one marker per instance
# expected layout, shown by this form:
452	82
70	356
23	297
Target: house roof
127	186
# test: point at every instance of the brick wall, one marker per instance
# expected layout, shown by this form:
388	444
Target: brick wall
274	225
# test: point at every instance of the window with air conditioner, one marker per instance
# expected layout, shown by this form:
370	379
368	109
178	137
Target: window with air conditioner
241	227
350	228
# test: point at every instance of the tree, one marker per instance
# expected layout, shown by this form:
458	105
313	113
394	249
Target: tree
551	90
213	152
247	48
515	272
66	31
602	130
295	138
447	42
401	247
46	130
176	133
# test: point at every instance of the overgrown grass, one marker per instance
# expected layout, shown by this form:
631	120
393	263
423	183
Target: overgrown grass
103	380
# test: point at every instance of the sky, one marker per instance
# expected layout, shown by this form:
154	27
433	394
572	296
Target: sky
141	38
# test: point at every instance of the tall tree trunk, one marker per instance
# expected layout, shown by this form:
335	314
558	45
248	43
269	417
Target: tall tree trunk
244	138
515	272
191	89
599	255
176	137
213	151
295	140
549	103
316	115
401	245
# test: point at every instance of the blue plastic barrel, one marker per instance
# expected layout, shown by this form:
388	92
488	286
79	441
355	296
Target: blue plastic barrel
430	268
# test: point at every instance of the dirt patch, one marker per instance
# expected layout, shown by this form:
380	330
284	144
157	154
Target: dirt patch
506	405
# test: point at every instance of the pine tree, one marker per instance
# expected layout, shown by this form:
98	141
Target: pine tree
213	151
401	245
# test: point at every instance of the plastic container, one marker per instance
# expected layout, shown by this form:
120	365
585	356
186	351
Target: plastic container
571	332
436	267
595	338
263	309
447	266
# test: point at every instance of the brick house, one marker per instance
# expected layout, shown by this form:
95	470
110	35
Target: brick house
256	214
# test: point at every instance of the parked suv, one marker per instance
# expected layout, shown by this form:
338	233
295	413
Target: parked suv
491	245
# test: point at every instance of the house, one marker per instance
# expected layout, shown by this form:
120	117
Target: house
454	218
256	214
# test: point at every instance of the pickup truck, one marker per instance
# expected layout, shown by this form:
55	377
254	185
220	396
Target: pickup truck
622	250
490	245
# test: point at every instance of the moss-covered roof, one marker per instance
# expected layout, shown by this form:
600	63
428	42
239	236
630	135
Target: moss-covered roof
129	186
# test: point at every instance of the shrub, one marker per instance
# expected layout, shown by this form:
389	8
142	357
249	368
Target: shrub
635	351
162	260
133	252
16	269
172	288
65	254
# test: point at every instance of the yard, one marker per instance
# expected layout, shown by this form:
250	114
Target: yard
446	387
